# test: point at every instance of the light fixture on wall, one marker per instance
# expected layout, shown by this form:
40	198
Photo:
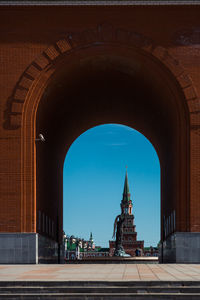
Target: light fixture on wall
40	138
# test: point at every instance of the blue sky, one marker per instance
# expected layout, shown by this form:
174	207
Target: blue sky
93	180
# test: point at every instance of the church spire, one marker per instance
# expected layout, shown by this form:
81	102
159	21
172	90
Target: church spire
126	203
126	193
91	238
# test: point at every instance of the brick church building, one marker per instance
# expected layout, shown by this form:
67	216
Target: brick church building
129	238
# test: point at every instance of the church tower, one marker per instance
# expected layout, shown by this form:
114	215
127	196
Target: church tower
126	203
129	234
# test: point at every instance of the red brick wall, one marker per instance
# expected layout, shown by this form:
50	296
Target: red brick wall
28	31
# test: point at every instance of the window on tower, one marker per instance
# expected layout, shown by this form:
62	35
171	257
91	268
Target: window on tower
126	210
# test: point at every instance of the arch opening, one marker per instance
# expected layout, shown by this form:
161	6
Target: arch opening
113	86
93	180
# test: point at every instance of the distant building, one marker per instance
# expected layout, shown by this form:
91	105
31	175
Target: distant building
91	243
96	253
77	248
129	239
151	251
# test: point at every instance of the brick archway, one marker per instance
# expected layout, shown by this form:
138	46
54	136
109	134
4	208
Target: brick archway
34	81
103	34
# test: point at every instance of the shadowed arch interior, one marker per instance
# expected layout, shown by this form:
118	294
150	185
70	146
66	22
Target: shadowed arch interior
113	85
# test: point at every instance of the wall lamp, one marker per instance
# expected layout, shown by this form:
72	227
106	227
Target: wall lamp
40	138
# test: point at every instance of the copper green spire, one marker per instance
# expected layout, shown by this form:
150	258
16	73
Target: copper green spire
126	193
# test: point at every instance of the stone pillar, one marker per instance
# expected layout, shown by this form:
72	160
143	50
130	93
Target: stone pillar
181	247
18	248
28	248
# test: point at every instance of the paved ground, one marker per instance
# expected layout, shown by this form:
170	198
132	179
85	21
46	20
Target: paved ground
111	272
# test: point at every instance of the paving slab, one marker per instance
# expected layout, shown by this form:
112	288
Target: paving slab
96	272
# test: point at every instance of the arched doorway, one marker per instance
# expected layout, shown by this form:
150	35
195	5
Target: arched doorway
112	84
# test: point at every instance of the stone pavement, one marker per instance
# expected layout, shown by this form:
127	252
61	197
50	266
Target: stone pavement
101	272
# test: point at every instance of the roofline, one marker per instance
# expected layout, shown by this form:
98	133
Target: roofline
98	2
